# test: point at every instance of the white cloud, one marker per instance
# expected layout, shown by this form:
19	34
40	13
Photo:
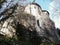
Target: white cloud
55	12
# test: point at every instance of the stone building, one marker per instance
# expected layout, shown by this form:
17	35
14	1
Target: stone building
45	27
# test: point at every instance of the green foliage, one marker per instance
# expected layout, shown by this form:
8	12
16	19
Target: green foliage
13	41
1	1
46	43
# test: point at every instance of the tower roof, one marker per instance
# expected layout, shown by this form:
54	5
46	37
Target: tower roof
45	11
36	4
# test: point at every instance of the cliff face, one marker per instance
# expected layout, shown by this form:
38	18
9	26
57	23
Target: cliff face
17	22
45	27
8	26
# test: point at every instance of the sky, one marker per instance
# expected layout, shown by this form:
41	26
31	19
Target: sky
43	3
54	9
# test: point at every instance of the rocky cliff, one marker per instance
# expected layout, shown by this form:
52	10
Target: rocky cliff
15	23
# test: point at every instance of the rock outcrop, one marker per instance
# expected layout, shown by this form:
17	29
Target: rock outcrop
45	27
37	23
